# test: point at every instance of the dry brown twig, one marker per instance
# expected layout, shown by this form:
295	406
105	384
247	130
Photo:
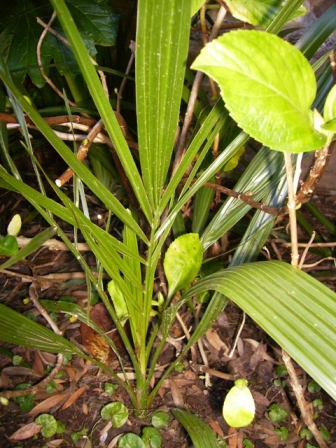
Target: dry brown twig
306	412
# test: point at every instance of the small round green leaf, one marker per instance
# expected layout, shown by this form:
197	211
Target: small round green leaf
117	412
277	413
131	441
151	437
182	261
48	423
282	432
313	387
8	246
160	419
239	407
267	85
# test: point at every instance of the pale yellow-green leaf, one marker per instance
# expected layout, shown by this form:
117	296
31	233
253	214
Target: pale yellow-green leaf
239	407
14	226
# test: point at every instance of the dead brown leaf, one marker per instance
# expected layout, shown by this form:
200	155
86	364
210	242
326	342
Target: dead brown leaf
48	403
26	431
70	401
216	427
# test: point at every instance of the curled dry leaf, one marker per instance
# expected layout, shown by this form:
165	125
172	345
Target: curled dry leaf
216	342
73	397
54	443
26	431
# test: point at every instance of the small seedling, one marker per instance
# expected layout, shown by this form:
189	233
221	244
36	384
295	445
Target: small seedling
313	387
116	412
306	433
109	388
324	433
277	413
247	443
281	370
48	425
282	432
317	403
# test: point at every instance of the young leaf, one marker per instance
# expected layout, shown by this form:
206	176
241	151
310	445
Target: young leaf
239	407
268	87
277	413
117	412
14	226
182	261
48	423
131	440
151	437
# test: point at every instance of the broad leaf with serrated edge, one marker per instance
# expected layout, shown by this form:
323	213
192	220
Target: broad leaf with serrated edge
268	87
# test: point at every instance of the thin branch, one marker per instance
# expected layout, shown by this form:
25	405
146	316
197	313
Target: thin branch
39	59
306	413
82	152
291	205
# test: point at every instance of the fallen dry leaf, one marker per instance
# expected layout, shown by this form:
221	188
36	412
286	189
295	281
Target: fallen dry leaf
233	439
26	431
54	443
70	401
48	403
216	427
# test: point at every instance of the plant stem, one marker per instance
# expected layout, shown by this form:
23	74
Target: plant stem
291	209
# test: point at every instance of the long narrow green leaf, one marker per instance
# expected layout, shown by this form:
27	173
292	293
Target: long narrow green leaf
102	103
297	311
35	197
160	66
78	167
265	171
33	245
200	433
207	132
18	329
318	33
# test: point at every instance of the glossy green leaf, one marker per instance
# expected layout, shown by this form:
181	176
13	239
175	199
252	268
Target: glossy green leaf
239	407
268	87
117	412
199	432
151	437
258	12
182	261
130	440
48	423
296	310
8	245
160	420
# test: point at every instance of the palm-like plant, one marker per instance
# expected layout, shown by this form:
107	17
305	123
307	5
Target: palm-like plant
293	308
